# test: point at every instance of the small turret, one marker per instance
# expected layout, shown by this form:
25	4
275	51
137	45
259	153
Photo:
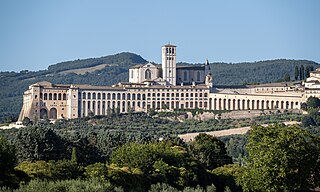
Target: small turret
207	67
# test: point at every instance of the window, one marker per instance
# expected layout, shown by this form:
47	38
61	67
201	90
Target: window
198	75
147	74
185	76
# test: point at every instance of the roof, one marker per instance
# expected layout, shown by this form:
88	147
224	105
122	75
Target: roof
191	67
169	45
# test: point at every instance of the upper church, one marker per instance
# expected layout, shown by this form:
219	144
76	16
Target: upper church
168	73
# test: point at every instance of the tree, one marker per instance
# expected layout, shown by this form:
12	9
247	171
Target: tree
26	121
281	159
39	143
210	151
302	73
296	73
7	155
286	77
307	72
313	102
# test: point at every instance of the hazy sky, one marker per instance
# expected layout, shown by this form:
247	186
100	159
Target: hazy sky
37	33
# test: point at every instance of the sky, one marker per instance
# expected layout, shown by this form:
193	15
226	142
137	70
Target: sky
37	33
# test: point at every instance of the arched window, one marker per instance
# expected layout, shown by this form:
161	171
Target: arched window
45	96
84	95
59	96
185	76
54	96
50	96
93	95
64	96
198	75
147	74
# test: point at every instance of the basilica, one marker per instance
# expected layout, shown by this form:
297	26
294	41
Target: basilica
163	87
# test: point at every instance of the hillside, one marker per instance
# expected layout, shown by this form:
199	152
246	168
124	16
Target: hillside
114	68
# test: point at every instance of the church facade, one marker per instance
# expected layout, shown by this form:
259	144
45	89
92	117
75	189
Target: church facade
162	87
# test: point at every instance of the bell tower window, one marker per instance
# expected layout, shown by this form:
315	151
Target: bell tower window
147	74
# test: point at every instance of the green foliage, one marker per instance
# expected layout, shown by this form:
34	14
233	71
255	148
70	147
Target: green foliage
313	102
68	186
7	156
296	73
51	170
74	155
7	162
311	119
39	143
281	159
162	187
162	162
26	121
226	176
97	170
210	151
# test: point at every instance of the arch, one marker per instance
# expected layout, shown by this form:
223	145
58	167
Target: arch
282	103
258	104
118	96
287	105
138	96
133	96
267	104
252	104
243	104
147	74
59	96
99	95
123	96
83	108
248	104
215	104
128	96
103	95
89	95
54	96
45	97
93	95
50	96
43	113
262	104
53	113
64	96
84	95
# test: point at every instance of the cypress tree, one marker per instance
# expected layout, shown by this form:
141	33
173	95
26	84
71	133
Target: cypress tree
296	73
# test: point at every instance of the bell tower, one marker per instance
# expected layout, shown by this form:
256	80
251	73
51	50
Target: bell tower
169	64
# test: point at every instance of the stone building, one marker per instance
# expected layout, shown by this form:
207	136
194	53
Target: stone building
162	87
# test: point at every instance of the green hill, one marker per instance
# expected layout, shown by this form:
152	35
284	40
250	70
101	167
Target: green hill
114	68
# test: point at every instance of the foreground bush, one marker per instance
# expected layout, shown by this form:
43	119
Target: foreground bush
67	186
